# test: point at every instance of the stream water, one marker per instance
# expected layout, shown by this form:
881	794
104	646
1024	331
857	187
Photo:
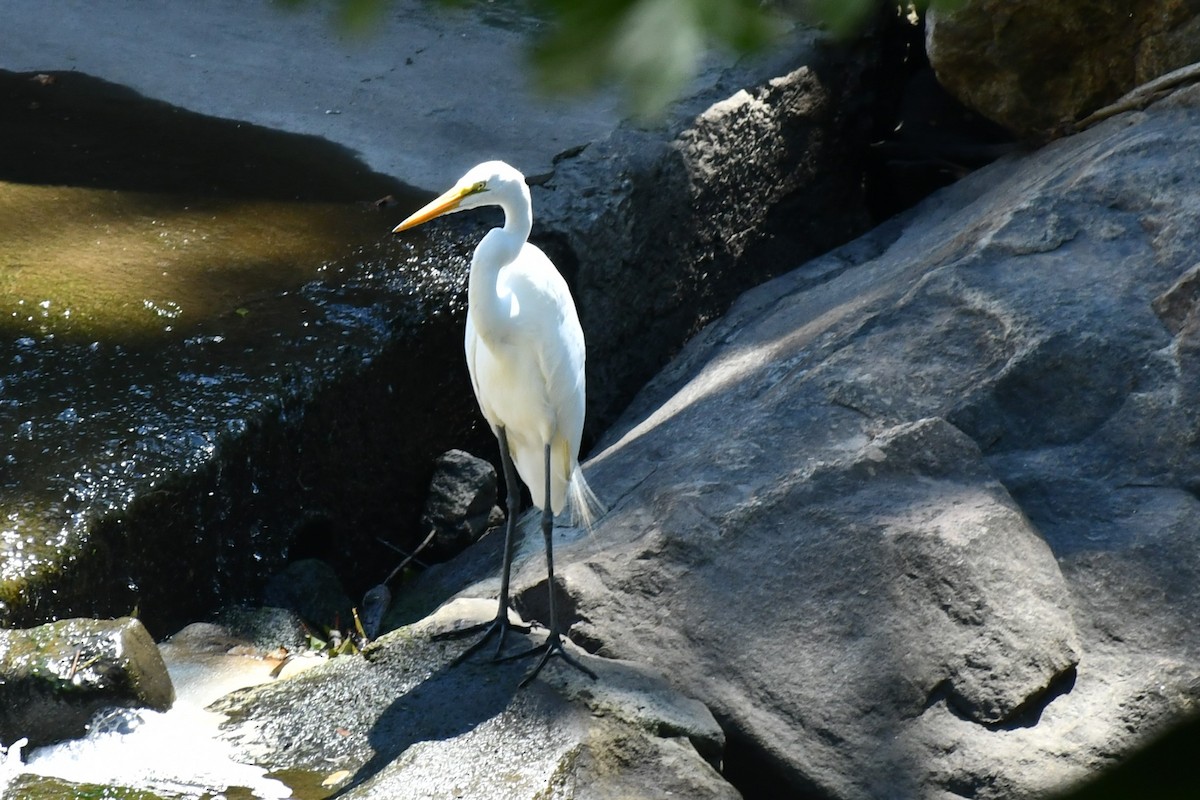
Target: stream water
175	292
160	274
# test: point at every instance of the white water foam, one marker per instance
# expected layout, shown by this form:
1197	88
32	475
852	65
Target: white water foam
174	753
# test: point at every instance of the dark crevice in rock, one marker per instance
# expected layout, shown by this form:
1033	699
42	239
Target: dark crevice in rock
939	693
1030	714
589	643
923	138
756	776
314	536
532	603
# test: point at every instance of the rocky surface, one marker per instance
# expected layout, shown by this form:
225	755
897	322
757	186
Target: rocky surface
55	677
916	518
658	232
1037	66
919	517
418	727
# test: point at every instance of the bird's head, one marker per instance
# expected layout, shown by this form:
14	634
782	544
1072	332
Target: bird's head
489	183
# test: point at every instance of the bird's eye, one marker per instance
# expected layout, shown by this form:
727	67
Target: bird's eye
480	186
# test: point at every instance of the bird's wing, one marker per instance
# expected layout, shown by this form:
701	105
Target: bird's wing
550	325
471	345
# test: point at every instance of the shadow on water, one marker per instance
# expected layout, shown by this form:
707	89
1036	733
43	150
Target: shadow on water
130	217
71	129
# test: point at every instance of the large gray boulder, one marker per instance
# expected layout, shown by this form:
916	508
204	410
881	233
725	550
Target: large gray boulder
659	229
918	519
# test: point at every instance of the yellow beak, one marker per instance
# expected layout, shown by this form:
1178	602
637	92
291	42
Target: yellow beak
435	208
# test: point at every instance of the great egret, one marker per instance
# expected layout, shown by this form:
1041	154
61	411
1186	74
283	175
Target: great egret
525	353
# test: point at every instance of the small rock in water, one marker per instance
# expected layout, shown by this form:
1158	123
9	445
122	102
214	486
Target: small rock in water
258	630
55	677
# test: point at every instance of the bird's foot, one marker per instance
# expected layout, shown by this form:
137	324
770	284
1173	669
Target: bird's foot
553	646
498	627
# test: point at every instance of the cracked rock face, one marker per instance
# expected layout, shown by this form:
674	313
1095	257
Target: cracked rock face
919	518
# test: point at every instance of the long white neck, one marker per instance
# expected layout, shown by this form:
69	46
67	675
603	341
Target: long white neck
492	313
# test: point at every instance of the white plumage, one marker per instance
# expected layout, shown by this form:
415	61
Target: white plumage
525	352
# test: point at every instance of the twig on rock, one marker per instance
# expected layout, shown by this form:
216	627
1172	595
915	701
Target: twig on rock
1141	96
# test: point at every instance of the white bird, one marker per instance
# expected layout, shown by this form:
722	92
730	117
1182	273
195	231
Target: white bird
525	353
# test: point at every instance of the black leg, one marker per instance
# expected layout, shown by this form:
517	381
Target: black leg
513	486
499	626
553	645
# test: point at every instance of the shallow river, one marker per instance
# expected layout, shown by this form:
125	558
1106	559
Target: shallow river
160	274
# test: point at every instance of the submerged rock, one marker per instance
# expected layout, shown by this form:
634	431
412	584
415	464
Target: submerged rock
55	677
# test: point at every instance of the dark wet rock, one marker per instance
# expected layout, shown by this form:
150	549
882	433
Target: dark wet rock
1034	66
255	629
413	725
461	503
919	518
192	455
206	637
311	589
374	608
230	391
54	678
